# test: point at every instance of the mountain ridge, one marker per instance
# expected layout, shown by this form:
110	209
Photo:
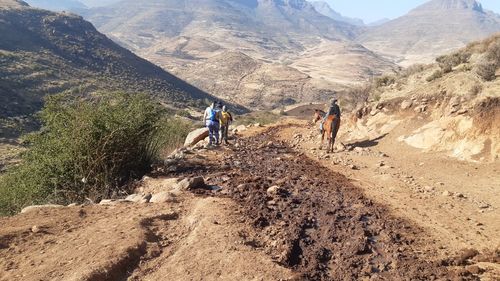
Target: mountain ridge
44	52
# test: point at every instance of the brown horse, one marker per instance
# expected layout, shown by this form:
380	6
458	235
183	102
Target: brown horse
330	128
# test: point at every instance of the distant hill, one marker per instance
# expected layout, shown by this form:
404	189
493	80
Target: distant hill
43	52
57	5
434	28
238	78
324	8
178	34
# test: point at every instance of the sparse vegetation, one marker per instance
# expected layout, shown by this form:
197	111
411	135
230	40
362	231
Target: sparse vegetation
89	149
384	81
435	75
448	62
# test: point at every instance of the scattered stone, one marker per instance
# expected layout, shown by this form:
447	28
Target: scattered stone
459	195
273	190
429	188
358	149
192	183
40	207
139	198
35	229
257	125
239	129
107	202
406	104
484	206
196	136
72	205
163	197
447	193
353	167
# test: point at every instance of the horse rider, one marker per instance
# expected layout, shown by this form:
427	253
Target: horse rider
333	110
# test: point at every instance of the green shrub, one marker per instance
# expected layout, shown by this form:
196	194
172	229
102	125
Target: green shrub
448	62
436	75
486	69
385	80
88	149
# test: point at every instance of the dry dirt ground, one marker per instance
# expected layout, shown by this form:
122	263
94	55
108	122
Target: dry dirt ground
319	221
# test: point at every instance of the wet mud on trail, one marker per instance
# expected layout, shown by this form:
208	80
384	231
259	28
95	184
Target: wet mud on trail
314	221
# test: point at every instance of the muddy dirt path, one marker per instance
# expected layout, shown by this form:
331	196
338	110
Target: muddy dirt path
316	222
275	215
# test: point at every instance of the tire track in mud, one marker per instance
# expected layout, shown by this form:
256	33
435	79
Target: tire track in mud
316	222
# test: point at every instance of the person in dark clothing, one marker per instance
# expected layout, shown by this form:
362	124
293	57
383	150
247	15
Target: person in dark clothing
333	110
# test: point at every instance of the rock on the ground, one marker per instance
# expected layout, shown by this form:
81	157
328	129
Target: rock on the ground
196	136
273	190
192	183
163	197
35	229
406	104
239	129
447	193
39	207
139	198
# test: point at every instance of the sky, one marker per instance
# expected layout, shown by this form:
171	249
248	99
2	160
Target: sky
373	10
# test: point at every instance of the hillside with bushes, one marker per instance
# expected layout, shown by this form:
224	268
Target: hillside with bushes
43	53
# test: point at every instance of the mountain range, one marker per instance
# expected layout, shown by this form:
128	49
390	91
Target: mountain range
432	29
43	52
290	50
324	8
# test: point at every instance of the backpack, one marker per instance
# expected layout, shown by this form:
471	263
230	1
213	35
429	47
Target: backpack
226	117
214	114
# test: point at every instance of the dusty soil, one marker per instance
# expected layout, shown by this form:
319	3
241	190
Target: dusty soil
317	224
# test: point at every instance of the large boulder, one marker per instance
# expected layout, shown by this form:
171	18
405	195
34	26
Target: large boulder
196	136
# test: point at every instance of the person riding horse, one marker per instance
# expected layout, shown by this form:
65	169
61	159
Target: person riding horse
330	124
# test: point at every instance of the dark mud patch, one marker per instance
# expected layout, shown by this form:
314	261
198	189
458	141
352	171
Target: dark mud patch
316	222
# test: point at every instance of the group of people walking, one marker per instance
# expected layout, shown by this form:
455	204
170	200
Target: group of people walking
217	119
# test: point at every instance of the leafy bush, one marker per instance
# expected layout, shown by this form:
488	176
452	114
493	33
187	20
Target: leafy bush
486	69
448	62
412	69
88	149
436	75
385	80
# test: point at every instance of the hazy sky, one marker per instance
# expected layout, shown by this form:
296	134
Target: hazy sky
372	10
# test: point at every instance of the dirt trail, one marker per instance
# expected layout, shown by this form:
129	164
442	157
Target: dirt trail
279	215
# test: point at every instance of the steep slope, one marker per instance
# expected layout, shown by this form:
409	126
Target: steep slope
452	106
58	5
43	52
272	25
431	29
324	8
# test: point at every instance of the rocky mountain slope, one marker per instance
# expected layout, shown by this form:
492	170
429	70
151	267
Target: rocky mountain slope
324	8
180	36
432	29
254	83
43	52
452	106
